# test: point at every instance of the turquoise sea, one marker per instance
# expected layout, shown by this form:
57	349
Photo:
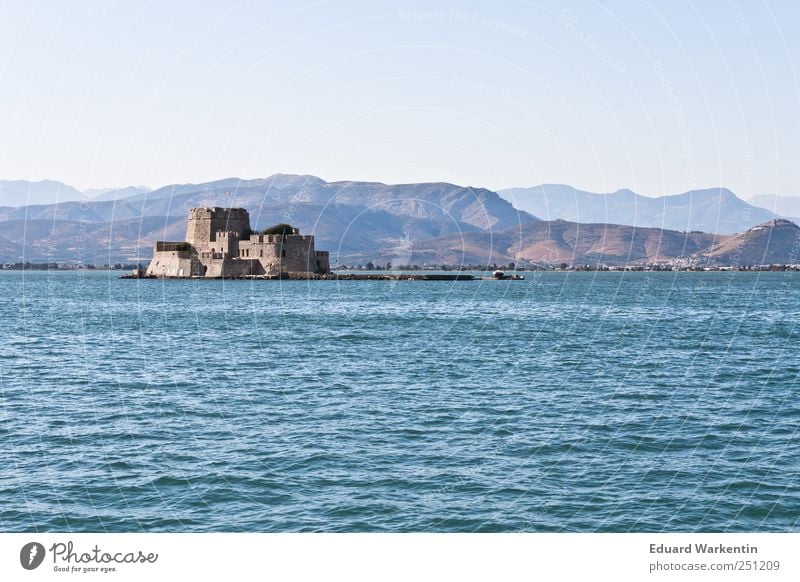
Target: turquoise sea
574	402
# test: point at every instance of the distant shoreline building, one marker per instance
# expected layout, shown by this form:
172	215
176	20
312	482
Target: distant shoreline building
220	244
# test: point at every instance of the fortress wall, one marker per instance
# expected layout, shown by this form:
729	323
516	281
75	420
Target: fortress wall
323	261
290	254
299	254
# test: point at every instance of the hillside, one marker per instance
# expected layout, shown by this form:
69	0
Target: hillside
90	242
715	210
777	241
559	241
555	242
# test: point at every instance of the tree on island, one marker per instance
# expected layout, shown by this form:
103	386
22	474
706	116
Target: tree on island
282	229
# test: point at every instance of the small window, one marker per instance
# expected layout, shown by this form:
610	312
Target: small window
283	252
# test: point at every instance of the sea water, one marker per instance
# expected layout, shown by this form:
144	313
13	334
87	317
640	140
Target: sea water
566	402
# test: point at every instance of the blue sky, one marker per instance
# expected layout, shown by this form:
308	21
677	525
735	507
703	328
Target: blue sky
659	97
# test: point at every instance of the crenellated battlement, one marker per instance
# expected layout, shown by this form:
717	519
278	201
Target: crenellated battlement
218	212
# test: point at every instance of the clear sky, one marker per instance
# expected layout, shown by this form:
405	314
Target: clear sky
656	96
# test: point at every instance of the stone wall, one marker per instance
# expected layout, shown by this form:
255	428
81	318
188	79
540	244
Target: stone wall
230	267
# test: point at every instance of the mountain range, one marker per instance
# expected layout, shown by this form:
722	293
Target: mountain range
23	192
403	224
346	217
716	210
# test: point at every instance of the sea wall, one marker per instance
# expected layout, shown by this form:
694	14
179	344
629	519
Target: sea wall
173	264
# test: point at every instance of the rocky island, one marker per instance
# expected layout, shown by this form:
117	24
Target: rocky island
220	244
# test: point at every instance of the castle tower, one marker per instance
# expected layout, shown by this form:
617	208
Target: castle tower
204	223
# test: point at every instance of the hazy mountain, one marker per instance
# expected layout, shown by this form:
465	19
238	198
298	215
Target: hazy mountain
99	194
556	242
785	206
716	210
93	193
346	217
105	211
24	192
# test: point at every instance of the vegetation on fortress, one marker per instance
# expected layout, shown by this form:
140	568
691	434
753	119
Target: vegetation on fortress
282	229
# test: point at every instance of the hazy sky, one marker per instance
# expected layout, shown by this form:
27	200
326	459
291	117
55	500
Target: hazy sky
659	97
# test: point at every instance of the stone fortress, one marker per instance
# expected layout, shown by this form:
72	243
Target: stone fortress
220	244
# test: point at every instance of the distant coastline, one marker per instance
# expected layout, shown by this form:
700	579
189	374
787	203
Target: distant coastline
29	266
341	272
